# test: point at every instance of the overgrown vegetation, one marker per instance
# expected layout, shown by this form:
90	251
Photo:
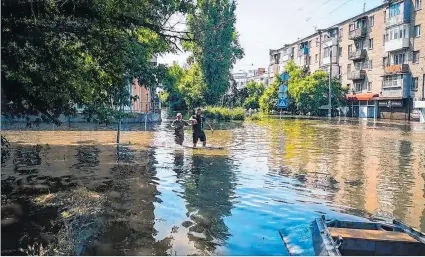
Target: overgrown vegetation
307	92
225	114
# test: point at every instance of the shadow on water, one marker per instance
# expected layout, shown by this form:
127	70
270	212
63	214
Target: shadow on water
101	209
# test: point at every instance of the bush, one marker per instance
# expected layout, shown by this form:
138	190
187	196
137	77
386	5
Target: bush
222	113
256	116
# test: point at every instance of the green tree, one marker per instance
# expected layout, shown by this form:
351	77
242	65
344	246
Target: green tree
254	92
56	54
268	101
216	46
193	87
171	81
310	92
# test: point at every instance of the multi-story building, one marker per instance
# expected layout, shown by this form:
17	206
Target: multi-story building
378	54
241	78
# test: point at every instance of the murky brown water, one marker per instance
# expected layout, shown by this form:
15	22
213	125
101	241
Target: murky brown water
75	192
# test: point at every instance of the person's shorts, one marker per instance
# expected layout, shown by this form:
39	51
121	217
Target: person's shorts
199	135
179	138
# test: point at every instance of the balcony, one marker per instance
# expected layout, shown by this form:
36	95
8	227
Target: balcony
396	86
396	20
357	55
356	75
326	60
396	69
330	42
397	44
357	33
302	51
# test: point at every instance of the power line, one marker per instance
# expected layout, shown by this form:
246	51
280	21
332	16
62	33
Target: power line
340	6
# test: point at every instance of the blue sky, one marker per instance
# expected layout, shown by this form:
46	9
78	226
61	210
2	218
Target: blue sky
269	24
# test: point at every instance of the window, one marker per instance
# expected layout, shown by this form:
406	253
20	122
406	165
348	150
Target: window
370	43
340	32
398	59
317	58
326	52
416	57
385	61
351	27
358	87
418	5
394	10
309	60
371	21
340	51
348	68
415	83
384	39
359	45
350	48
370	64
417	31
369	86
317	41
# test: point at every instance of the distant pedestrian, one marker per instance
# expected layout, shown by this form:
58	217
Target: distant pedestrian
178	125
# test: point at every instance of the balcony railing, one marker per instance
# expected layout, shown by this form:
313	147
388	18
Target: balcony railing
395	83
396	69
357	33
357	55
396	44
395	20
356	75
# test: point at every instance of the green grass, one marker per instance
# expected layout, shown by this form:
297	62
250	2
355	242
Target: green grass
223	113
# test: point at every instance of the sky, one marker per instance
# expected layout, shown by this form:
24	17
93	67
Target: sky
269	24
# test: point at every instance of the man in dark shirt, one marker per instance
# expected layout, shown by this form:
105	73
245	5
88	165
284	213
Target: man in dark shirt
178	125
198	121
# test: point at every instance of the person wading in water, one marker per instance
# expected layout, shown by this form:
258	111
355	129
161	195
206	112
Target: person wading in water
198	121
178	125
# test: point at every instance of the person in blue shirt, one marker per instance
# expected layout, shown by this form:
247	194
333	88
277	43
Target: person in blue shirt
198	133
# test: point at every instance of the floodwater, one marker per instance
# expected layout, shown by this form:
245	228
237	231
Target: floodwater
73	191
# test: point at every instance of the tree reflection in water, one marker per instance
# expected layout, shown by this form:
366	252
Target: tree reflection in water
209	190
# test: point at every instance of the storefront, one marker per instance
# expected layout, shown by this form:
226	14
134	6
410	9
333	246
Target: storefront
393	108
362	105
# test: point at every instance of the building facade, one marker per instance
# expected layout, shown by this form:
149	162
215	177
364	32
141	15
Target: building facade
379	55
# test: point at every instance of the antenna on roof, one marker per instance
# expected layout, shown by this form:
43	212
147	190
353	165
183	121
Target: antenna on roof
364	6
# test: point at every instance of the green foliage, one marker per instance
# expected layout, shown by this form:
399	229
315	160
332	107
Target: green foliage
268	101
192	86
226	114
174	75
254	92
256	117
310	92
164	96
56	54
216	46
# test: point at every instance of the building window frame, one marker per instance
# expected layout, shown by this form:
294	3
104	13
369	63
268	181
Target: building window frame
370	43
370	64
418	5
415	83
369	86
417	31
416	57
372	21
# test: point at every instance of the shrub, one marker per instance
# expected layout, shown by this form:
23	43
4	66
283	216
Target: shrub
222	113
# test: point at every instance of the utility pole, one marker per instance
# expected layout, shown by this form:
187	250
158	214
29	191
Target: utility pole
330	87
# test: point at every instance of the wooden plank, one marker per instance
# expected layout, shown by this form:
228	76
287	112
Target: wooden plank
376	235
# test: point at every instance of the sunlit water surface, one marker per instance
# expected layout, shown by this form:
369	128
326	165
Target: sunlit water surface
75	192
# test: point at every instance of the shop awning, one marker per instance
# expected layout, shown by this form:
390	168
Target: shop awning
361	97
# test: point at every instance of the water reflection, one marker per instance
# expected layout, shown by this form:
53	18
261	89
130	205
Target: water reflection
78	192
208	191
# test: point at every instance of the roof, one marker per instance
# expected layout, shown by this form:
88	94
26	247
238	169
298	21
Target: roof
332	27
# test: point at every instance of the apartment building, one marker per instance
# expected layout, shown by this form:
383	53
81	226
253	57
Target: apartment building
379	55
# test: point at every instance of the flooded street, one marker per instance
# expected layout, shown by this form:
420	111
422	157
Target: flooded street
75	192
